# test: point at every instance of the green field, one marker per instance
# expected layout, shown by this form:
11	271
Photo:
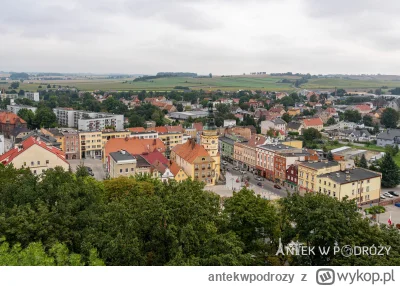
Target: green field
331	83
229	83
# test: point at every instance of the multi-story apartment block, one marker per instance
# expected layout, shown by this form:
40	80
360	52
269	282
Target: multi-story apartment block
170	139
144	135
88	121
266	158
308	172
34	96
14	108
245	152
357	183
90	144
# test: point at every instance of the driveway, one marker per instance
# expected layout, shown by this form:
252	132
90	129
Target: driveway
95	164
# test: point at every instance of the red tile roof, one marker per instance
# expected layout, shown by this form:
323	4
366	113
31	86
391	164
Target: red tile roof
9	117
363	107
9	156
198	126
136	129
174	168
134	146
159	129
177	128
313	122
190	151
155	156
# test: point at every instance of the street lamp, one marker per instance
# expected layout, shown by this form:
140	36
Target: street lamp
232	182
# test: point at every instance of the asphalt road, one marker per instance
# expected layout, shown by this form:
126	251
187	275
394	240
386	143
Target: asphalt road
95	164
266	185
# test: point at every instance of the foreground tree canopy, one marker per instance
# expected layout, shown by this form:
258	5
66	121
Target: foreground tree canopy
65	219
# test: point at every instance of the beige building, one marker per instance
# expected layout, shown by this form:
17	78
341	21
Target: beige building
90	144
171	139
122	164
245	152
35	155
107	135
360	184
308	172
209	140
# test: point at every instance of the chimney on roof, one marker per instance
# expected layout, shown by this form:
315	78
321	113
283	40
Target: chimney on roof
122	152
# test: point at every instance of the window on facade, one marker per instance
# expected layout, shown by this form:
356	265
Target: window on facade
334	185
126	170
367	189
34	171
47	161
38	162
367	181
32	163
132	169
24	163
120	170
353	184
334	194
352	192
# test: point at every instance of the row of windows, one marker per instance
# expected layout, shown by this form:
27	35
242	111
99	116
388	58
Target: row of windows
38	163
126	170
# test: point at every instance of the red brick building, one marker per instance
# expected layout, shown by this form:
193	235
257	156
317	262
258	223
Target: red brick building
292	177
9	121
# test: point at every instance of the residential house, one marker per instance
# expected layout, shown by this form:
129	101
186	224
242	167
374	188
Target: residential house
315	123
121	163
35	155
281	95
133	146
295	127
276	124
177	171
294	111
18	133
388	137
9	121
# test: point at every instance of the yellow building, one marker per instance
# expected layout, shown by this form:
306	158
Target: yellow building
179	174
36	156
360	184
295	143
209	140
195	162
308	172
171	139
107	135
90	144
293	111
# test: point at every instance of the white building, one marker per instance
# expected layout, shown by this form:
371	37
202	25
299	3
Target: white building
185	138
88	121
144	135
32	96
2	144
16	108
229	122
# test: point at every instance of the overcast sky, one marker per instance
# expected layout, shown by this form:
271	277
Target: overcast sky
203	36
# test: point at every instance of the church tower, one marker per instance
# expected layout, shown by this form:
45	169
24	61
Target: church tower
209	140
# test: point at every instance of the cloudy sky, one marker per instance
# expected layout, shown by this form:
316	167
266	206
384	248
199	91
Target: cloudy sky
218	36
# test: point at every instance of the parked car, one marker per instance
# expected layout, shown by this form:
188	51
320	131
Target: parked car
258	179
397	205
276	186
388	195
383	197
259	184
236	168
243	172
394	193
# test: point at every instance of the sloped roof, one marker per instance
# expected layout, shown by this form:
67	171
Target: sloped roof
190	150
177	128
198	126
19	130
134	146
9	117
174	168
159	129
9	156
155	156
313	121
294	125
136	129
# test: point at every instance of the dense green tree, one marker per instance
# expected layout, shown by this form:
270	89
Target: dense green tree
352	116
311	134
363	162
28	116
287	117
329	156
313	98
179	107
45	117
390	118
14	85
367	120
331	121
390	172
